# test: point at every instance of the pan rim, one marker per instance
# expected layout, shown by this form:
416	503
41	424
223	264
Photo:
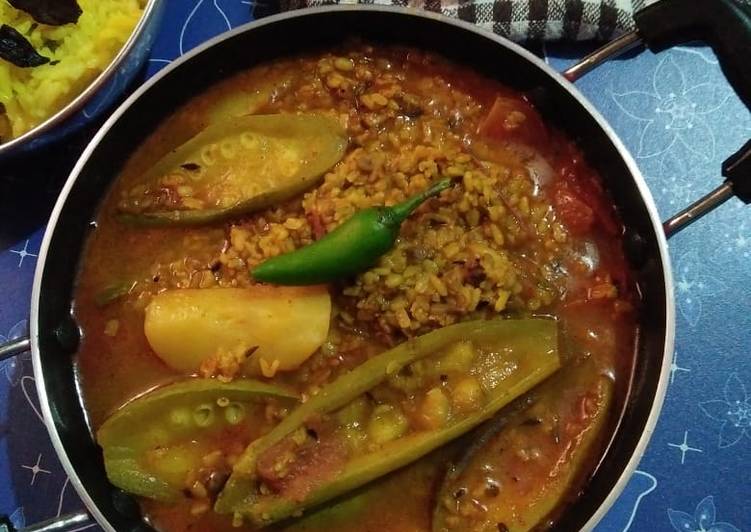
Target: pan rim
554	75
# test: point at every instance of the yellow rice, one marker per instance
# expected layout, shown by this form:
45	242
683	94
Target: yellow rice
78	53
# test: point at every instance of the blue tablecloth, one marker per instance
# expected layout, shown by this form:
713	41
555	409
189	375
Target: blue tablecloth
680	119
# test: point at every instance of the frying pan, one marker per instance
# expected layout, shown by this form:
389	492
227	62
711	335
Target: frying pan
54	333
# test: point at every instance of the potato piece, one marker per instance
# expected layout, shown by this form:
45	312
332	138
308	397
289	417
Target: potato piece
185	327
467	394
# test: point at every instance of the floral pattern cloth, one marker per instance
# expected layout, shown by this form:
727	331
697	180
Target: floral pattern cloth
680	119
734	411
703	519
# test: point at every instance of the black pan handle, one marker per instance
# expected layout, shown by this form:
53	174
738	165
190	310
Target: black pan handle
723	24
737	171
726	26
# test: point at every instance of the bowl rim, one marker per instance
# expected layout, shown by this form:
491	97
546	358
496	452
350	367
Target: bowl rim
556	76
77	103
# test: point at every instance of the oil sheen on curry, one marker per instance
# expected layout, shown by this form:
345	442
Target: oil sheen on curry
362	289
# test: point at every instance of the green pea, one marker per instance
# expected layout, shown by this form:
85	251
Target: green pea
249	141
228	149
387	423
207	155
355	413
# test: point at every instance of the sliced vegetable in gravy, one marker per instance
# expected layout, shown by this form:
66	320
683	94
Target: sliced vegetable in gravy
517	472
153	442
234	167
461	375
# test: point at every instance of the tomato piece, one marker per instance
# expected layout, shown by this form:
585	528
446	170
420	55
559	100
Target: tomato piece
513	119
579	188
576	214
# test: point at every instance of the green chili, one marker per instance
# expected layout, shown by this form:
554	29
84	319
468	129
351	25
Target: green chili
352	247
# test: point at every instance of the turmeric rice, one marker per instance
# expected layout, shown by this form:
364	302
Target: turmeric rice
77	54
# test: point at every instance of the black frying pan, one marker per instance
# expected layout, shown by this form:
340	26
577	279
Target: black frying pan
54	333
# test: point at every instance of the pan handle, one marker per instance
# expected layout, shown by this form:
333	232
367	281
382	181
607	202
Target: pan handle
737	172
72	521
726	26
14	347
723	24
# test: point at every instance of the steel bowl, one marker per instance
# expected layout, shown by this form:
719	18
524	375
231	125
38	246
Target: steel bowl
100	94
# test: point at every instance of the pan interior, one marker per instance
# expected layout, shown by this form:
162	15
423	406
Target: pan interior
244	49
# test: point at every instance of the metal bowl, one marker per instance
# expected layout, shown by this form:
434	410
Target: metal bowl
101	93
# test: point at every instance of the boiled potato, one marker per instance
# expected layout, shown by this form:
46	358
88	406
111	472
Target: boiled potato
284	325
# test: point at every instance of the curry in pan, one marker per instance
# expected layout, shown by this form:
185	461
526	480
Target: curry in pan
361	289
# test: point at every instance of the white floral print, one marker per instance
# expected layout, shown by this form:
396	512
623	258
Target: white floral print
734	411
703	519
674	112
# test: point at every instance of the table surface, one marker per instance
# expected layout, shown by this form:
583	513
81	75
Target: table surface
680	119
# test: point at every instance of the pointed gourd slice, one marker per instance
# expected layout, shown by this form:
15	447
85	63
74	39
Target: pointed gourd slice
523	465
388	412
234	167
154	441
239	103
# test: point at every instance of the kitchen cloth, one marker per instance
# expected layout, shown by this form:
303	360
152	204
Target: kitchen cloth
518	20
